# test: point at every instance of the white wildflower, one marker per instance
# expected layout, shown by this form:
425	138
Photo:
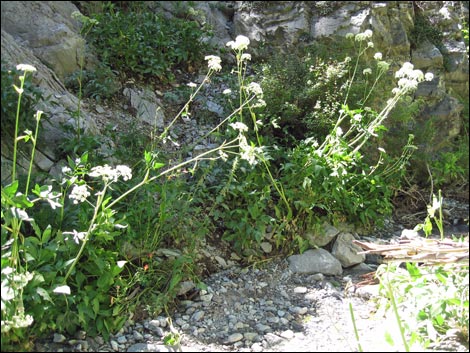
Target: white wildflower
381	150
245	57
367	71
191	84
77	236
214	62
124	171
339	132
360	37
239	126
259	103
255	88
241	43
429	76
105	172
227	91
66	170
357	117
378	56
25	67
249	152
79	193
370	44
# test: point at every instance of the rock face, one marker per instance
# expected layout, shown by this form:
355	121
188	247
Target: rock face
44	34
47	28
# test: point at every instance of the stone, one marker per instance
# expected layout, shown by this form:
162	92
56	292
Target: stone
315	261
267	247
59	338
147	106
234	337
322	237
346	251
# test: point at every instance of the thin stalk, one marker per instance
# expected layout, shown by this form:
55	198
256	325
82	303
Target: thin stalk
146	178
91	228
397	316
38	118
15	139
356	333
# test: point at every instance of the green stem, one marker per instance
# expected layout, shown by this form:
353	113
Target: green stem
397	316
90	230
38	118
15	140
356	333
147	180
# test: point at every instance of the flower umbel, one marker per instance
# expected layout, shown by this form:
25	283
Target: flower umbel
241	43
79	193
213	62
239	126
25	67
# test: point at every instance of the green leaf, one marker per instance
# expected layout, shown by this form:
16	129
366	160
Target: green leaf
10	189
46	234
44	294
96	305
389	339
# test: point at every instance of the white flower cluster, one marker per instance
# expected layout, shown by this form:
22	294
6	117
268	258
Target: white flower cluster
408	78
240	43
360	37
249	152
79	193
239	126
25	67
77	236
255	88
214	62
110	174
245	56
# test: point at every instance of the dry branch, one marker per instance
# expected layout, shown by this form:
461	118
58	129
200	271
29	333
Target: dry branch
423	250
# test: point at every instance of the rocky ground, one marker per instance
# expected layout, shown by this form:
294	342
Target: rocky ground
268	308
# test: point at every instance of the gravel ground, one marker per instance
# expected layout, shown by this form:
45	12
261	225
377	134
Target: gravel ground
266	309
263	310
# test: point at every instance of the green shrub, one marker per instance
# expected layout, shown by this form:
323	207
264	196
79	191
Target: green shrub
99	84
143	43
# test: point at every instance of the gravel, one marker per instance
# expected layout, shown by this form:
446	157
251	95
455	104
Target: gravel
265	309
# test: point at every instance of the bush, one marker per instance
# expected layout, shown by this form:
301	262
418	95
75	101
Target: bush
142	43
99	84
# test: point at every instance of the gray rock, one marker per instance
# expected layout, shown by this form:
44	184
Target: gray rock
234	337
322	237
315	261
151	347
59	338
147	106
346	251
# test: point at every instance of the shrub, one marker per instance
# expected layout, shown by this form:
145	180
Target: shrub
143	43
